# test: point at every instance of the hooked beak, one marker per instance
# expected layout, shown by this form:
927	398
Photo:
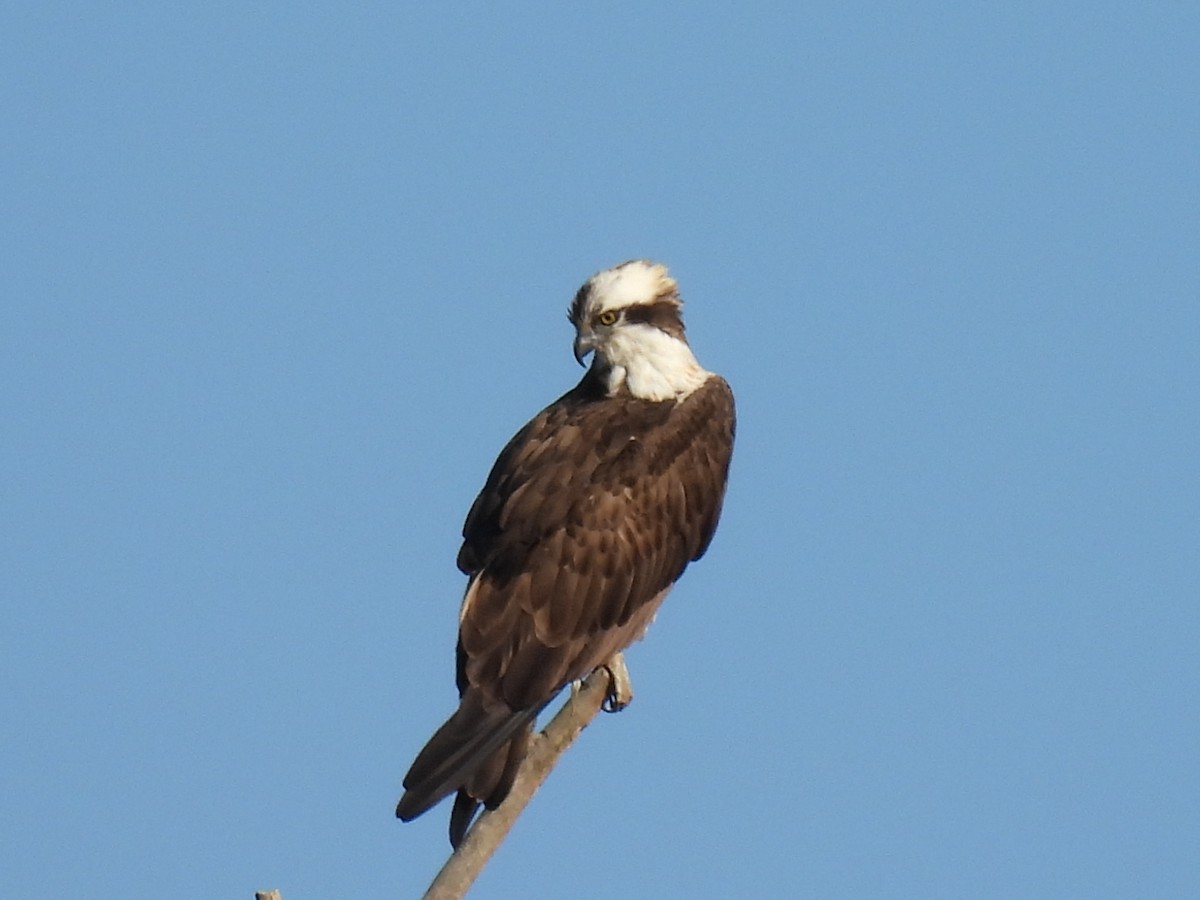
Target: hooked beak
584	344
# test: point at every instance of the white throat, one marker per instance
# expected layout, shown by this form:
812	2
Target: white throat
650	363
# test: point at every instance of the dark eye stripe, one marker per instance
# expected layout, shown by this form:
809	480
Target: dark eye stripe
663	315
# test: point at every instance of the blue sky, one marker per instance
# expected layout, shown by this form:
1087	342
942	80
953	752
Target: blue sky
280	281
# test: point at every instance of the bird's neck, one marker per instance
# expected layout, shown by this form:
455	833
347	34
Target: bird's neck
649	364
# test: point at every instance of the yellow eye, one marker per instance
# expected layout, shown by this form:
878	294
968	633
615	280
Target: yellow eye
607	317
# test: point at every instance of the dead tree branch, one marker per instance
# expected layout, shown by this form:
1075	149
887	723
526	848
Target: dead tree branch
465	863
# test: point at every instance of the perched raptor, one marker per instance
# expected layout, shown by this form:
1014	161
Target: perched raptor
589	516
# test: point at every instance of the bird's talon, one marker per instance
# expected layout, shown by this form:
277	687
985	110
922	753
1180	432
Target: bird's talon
620	686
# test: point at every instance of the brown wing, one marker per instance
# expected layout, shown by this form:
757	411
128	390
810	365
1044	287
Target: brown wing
588	517
590	514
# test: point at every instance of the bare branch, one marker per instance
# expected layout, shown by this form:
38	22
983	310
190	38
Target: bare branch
465	863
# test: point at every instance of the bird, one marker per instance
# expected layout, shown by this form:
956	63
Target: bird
589	516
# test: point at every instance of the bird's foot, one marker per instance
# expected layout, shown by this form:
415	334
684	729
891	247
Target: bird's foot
620	686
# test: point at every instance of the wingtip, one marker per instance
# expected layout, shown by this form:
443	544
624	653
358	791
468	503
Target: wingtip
405	811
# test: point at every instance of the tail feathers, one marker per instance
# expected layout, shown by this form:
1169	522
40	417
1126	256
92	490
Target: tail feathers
461	816
489	783
465	742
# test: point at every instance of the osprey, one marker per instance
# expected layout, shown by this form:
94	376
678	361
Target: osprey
589	516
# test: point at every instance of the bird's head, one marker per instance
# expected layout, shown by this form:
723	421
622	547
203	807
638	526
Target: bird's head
631	318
